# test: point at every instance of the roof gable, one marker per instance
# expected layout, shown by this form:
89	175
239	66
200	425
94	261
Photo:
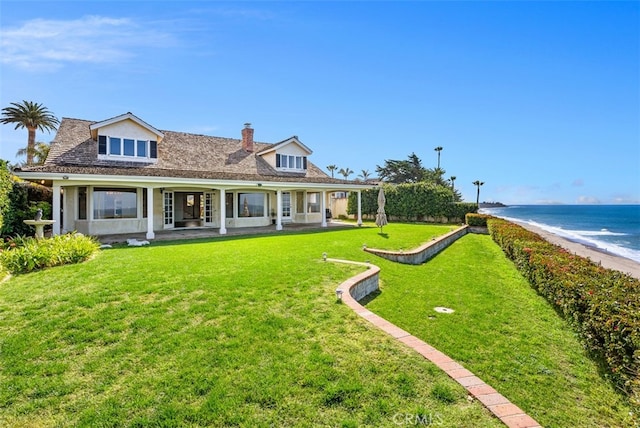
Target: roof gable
285	143
123	118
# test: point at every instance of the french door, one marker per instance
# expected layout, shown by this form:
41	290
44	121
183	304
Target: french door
286	205
167	200
208	211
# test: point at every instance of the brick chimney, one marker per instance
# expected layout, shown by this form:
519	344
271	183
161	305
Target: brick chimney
247	138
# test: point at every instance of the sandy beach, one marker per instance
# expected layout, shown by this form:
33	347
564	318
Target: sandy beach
607	260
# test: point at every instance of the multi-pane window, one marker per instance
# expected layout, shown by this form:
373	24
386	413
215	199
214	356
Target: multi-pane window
82	203
111	203
291	162
228	205
127	147
251	204
313	202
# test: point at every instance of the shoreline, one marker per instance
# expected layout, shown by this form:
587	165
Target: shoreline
596	255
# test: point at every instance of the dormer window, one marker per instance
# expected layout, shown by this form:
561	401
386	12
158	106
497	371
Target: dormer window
291	162
120	148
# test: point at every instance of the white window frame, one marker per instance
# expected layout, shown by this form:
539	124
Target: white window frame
290	162
135	158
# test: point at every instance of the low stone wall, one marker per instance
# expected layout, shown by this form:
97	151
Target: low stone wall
424	252
363	284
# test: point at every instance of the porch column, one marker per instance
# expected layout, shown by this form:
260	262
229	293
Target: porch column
150	233
359	208
223	212
279	210
323	202
55	209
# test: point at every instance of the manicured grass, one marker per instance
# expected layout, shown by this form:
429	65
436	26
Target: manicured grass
502	331
225	332
246	332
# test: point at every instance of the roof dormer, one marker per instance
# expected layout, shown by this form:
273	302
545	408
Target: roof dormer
289	155
126	137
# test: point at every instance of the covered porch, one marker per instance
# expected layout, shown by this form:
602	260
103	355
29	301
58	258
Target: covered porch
151	209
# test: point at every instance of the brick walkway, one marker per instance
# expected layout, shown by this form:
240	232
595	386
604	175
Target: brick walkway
510	414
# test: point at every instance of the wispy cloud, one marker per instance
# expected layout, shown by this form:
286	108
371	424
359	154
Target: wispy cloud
588	200
46	44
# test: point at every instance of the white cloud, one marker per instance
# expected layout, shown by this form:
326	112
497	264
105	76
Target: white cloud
625	200
45	44
578	182
588	200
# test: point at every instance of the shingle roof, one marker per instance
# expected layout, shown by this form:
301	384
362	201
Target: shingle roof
180	155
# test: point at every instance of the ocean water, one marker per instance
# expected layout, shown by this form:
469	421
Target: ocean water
613	228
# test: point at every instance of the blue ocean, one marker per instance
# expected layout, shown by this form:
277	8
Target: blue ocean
613	228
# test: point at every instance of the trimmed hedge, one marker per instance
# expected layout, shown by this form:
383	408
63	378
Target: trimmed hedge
602	305
476	220
412	202
23	255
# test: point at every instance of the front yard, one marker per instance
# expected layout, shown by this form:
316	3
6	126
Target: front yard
246	331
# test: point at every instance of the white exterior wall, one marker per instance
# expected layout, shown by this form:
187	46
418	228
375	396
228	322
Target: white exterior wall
292	149
127	129
270	158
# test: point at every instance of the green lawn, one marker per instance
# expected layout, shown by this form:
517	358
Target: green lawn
502	331
246	331
226	332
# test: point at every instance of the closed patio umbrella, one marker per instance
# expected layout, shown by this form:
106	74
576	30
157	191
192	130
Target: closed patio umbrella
245	208
381	217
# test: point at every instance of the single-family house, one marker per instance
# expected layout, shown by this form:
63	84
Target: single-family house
122	175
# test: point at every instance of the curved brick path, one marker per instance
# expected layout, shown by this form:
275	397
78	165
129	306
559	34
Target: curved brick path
510	414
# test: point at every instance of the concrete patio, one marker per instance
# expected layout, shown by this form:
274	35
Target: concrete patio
209	232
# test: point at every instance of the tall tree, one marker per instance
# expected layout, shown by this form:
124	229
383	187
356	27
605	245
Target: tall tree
346	172
364	174
32	116
402	171
478	183
453	186
40	152
331	169
438	149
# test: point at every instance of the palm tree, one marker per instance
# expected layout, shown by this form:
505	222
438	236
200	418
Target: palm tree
40	152
32	116
478	183
332	168
365	174
438	149
453	186
346	172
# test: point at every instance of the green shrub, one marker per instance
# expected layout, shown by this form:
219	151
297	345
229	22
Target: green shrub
411	202
5	188
602	305
23	255
24	201
476	220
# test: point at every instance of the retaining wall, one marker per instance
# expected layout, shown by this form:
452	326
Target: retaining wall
424	252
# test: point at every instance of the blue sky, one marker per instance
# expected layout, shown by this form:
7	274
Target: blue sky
540	100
